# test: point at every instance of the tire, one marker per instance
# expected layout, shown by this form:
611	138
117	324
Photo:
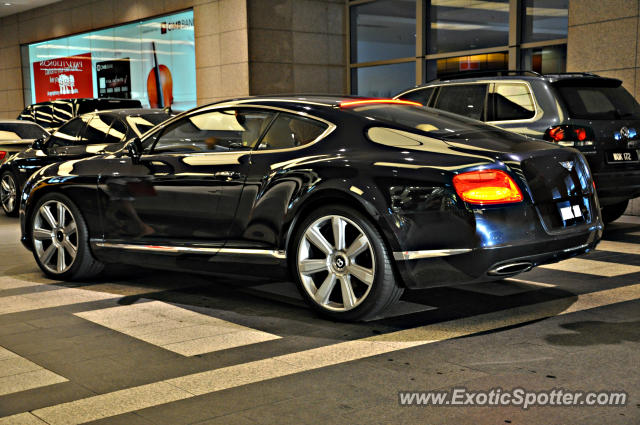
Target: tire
9	194
349	277
57	228
614	211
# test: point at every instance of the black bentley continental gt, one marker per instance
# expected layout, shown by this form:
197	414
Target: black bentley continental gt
354	199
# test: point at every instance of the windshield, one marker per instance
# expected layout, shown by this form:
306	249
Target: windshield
143	123
15	131
591	102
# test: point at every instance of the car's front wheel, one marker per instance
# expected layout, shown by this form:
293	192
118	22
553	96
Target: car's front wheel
614	211
9	194
342	265
60	239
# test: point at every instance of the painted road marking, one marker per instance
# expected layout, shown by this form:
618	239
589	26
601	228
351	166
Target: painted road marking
620	247
593	267
61	296
19	374
176	329
154	394
21	419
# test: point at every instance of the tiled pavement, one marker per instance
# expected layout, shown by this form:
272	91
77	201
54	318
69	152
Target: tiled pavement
146	347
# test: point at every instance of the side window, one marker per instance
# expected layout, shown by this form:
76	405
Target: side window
289	131
463	99
96	130
511	102
420	96
67	134
117	133
215	131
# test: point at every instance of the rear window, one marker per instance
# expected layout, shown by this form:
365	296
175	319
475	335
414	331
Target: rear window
424	119
588	102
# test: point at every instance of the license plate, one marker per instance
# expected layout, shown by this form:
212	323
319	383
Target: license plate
622	156
571	212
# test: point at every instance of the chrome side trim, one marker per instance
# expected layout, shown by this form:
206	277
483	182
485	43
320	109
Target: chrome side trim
261	252
431	253
194	250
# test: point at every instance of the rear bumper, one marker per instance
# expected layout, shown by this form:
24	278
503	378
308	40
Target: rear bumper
480	264
617	186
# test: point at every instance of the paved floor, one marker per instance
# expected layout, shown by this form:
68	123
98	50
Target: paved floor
146	347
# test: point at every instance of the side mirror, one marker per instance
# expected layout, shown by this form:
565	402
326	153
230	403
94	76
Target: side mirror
38	145
134	150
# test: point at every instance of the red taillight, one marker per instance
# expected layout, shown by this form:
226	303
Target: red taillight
487	187
352	103
556	133
2	155
570	135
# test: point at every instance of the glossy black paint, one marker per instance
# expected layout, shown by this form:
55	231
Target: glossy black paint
252	200
30	160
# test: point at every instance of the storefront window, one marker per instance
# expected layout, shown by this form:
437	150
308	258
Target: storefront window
151	60
545	20
545	60
464	25
384	29
442	68
383	80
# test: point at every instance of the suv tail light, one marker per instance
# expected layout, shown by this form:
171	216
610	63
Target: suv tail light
487	187
3	154
570	135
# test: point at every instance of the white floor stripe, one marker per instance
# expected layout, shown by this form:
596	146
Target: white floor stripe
21	419
593	267
621	247
136	398
47	299
19	374
531	282
176	329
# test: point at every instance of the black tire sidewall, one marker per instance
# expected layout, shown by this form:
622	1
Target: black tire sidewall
384	283
613	212
83	255
16	205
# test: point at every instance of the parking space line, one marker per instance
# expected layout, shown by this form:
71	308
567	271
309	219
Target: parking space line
593	267
60	297
174	328
21	419
619	247
154	394
19	374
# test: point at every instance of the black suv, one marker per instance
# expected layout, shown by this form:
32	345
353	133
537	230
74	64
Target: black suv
593	114
52	114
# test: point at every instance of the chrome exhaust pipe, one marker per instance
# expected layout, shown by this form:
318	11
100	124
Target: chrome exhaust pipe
511	268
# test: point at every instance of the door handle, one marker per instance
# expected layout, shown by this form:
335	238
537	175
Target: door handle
230	175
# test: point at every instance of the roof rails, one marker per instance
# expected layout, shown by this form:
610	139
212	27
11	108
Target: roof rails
570	74
489	73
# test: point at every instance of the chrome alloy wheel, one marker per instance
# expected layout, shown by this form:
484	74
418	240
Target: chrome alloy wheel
55	236
349	260
8	192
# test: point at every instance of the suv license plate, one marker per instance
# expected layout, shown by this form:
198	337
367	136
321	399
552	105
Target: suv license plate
622	156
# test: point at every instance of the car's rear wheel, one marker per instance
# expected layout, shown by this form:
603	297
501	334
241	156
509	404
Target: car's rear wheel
61	240
9	194
614	211
342	265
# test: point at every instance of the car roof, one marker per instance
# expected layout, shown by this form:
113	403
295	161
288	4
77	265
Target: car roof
129	112
511	75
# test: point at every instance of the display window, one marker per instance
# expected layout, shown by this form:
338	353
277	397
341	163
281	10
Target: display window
152	60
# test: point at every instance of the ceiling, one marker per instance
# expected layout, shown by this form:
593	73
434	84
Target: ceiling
17	6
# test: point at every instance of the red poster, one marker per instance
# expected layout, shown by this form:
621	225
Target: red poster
63	78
